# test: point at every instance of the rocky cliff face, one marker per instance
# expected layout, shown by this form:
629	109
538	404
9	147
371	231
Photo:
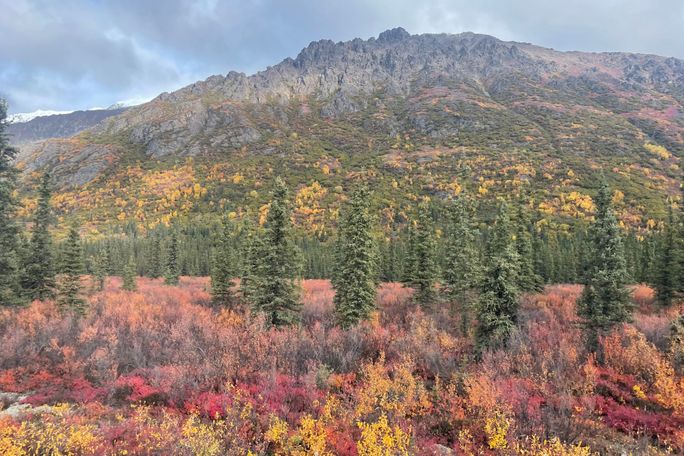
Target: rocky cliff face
464	90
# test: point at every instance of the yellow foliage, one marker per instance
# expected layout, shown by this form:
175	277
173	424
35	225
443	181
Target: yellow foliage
313	436
309	438
201	439
618	197
277	431
309	211
50	435
658	151
496	429
395	391
638	392
553	447
380	439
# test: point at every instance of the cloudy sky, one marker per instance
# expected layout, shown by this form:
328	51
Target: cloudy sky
77	54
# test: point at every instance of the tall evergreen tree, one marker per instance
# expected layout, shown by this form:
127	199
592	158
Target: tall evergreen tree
605	300
155	267
276	266
100	270
408	277
425	265
462	263
69	298
252	246
38	280
130	282
9	240
172	273
223	269
528	279
356	274
497	311
667	269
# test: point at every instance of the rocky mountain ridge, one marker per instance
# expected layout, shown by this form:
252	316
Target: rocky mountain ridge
465	92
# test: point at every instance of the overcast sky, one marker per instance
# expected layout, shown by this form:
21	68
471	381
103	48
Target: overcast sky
77	54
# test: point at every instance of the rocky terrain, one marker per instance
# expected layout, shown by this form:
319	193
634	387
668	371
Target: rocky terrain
428	104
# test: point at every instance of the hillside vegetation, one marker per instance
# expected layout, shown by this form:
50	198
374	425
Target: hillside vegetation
411	115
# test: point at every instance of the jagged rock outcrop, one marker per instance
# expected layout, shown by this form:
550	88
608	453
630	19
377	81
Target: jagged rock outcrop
445	88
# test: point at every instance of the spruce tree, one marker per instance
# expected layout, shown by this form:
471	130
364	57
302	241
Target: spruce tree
100	270
223	268
130	282
605	300
9	231
410	259
425	264
110	270
497	310
252	246
38	280
69	298
528	280
172	273
667	272
356	269
277	265
462	269
155	268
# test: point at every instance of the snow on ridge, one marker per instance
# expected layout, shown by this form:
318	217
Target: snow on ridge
28	116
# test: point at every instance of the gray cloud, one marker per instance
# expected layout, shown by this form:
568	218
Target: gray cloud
80	53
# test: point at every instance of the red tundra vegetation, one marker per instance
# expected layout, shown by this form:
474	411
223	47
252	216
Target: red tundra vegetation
157	371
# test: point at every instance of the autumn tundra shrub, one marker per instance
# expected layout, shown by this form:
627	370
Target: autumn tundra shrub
160	371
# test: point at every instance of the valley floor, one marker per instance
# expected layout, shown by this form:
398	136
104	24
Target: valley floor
158	371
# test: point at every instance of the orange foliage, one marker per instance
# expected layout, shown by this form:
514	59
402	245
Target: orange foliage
158	371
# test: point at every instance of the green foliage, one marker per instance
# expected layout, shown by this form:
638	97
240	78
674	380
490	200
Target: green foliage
38	278
224	270
109	259
9	231
528	279
356	275
497	310
252	247
667	272
410	264
100	269
424	264
129	276
172	273
155	266
462	271
605	300
275	264
69	298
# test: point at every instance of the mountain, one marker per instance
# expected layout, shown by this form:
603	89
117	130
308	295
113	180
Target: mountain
432	114
28	116
39	125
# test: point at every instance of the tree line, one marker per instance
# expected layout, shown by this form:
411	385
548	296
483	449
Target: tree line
476	268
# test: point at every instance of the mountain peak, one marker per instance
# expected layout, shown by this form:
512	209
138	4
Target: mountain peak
393	35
